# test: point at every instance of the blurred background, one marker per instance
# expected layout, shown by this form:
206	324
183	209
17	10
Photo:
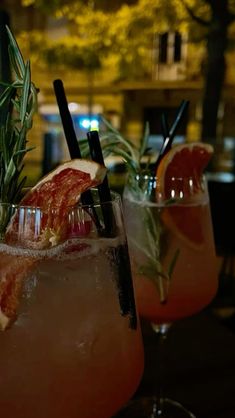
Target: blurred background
129	61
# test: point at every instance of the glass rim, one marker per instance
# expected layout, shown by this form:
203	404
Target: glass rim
149	176
115	199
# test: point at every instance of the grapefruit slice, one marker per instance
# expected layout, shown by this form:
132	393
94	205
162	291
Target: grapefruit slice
184	161
59	190
13	271
53	194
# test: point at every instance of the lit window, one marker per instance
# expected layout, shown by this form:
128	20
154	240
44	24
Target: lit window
170	47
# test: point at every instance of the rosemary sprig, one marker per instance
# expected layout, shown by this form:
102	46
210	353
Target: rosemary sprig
152	245
18	103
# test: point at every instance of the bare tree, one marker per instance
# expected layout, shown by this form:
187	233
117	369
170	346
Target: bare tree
215	66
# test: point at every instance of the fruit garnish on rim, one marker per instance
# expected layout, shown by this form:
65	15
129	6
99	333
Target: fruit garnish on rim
183	161
179	179
53	195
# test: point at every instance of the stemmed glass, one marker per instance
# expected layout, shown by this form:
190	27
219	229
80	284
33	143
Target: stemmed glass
70	340
173	259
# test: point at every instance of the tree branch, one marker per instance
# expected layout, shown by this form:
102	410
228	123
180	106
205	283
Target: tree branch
194	16
221	10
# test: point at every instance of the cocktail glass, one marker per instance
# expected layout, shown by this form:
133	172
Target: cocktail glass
74	347
173	260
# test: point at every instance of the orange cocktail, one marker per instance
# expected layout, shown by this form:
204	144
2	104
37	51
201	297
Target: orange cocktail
70	352
70	341
171	244
193	282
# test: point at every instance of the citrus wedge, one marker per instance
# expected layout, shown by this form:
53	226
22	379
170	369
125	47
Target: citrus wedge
59	189
187	161
183	161
13	271
53	194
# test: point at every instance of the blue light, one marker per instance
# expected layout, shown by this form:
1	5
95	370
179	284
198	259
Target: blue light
87	123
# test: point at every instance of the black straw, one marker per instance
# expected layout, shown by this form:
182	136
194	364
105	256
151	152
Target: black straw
169	135
120	253
66	119
71	139
103	188
164	126
182	108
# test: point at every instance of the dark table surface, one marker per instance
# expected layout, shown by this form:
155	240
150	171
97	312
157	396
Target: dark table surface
199	365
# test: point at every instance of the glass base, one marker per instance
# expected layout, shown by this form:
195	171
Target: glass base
151	407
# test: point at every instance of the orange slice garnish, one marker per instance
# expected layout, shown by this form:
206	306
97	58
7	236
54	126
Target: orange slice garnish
184	161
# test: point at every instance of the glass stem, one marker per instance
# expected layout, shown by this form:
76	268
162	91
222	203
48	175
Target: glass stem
158	406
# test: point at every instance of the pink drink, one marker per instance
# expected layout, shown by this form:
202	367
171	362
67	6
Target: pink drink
193	282
70	353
